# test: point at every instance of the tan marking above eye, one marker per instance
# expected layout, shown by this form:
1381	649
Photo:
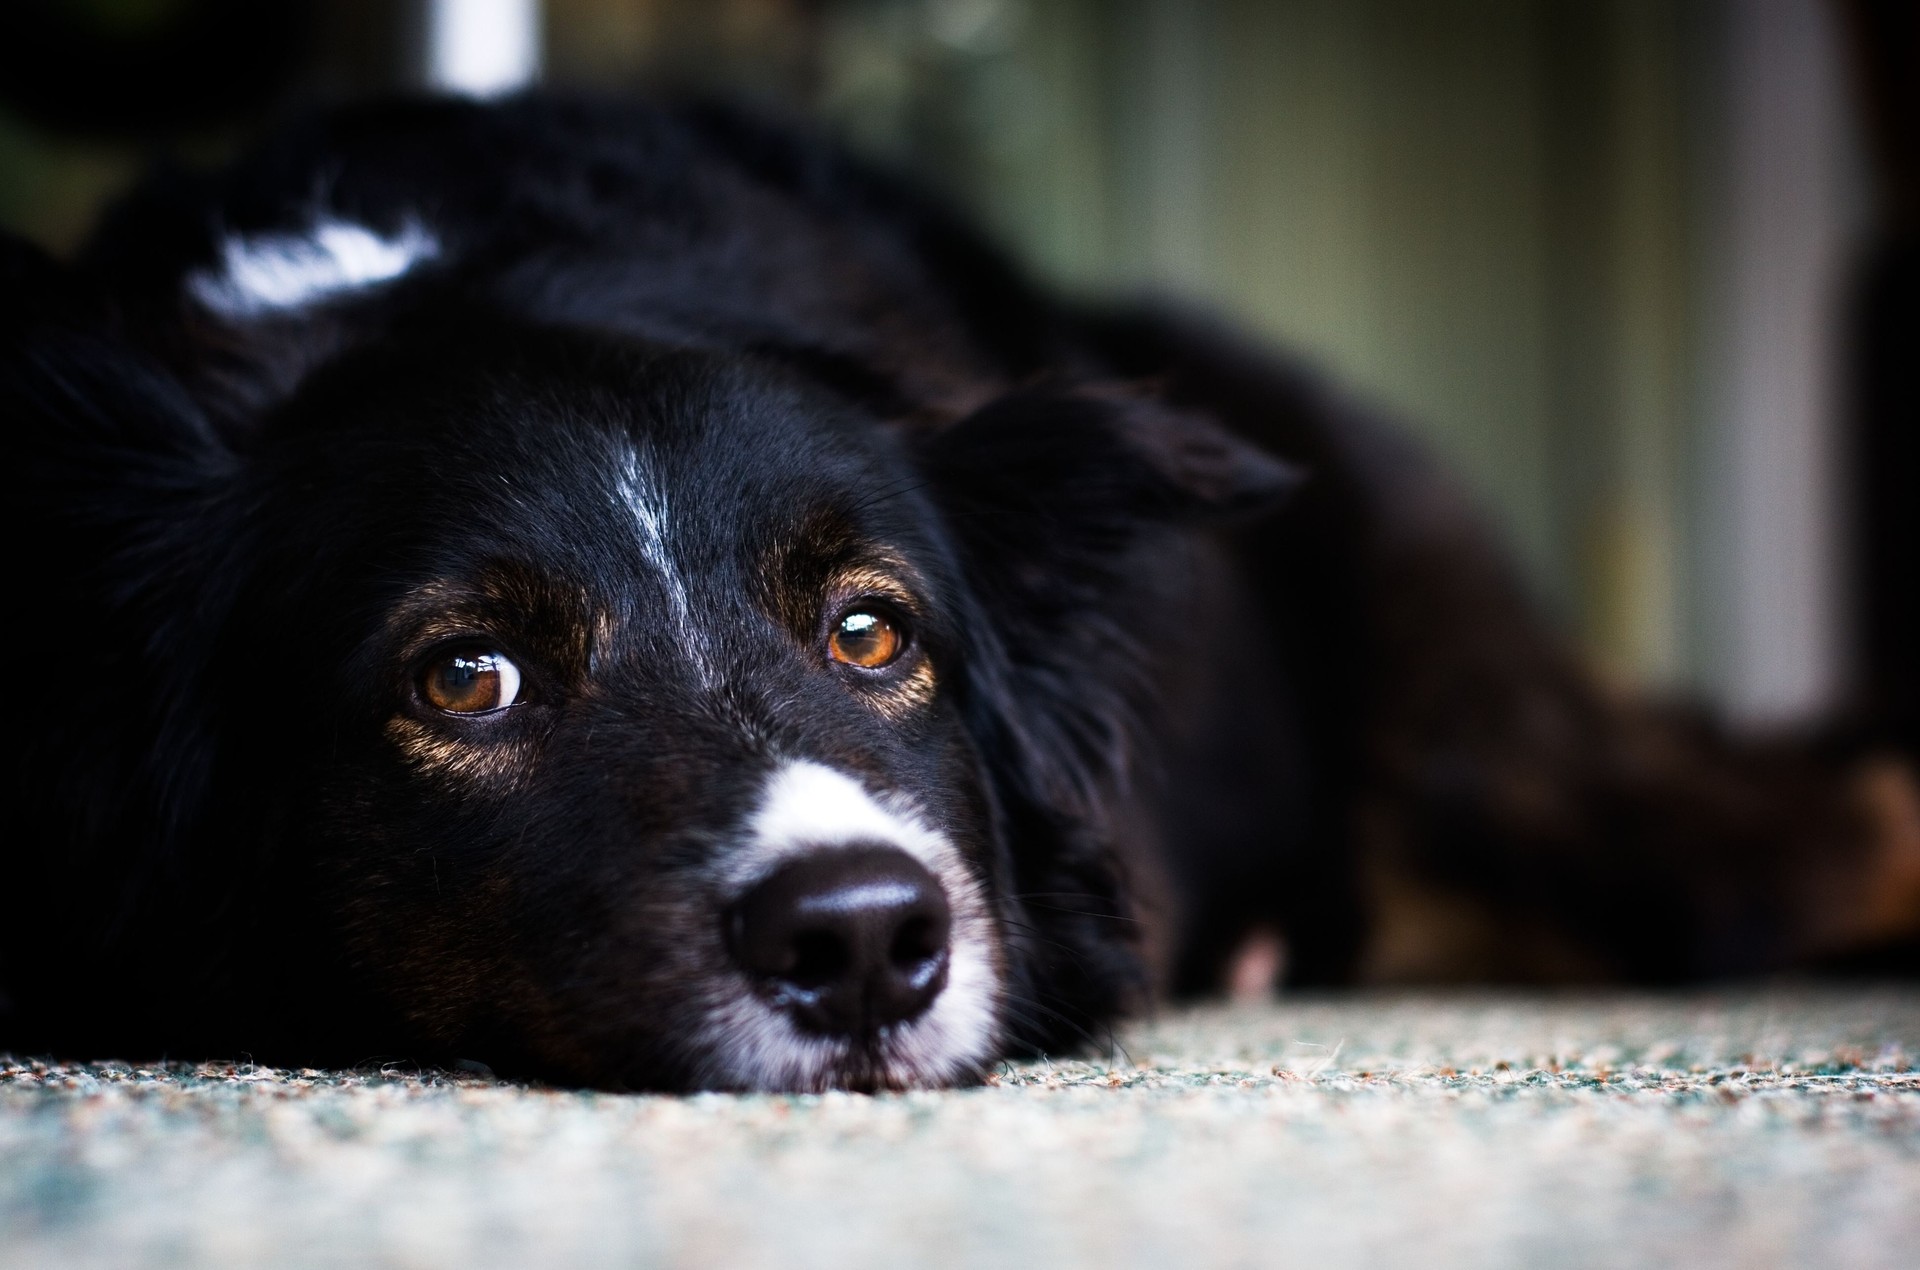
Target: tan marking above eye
865	639
471	682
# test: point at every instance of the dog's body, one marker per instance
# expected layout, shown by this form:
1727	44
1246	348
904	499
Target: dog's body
497	576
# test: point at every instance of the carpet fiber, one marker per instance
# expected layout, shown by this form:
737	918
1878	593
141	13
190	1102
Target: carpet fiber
1775	1128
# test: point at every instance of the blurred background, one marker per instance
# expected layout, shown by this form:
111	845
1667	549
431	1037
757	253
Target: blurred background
1643	270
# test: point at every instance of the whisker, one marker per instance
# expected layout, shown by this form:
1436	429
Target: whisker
1027	1003
1033	932
900	488
1081	912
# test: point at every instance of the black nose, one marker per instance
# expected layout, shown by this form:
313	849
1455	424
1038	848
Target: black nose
849	940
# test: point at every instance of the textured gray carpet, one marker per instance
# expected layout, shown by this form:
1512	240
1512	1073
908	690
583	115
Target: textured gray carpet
1780	1128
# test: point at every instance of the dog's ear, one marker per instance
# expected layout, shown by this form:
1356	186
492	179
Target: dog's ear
253	293
117	466
1058	498
1065	506
116	476
114	455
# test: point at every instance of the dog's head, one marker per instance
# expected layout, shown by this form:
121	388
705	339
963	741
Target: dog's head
627	708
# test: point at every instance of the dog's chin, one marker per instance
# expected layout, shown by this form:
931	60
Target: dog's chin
750	1046
772	1056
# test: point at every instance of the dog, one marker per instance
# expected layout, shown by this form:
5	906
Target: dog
631	596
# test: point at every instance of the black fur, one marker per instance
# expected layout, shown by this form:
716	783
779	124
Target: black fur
238	537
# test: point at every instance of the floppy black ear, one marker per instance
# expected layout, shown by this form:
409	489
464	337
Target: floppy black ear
1059	499
1067	508
115	467
113	471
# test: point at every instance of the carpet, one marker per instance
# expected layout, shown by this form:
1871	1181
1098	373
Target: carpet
1768	1128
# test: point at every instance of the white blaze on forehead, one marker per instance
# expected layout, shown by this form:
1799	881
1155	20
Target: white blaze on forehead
812	805
272	272
645	497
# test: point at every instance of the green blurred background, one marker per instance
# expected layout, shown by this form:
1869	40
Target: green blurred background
1597	251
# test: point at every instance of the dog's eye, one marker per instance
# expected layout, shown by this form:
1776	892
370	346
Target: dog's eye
471	683
866	639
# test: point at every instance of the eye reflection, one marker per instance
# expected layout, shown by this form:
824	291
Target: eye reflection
471	682
866	639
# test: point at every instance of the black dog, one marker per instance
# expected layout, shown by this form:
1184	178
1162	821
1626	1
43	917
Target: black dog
633	597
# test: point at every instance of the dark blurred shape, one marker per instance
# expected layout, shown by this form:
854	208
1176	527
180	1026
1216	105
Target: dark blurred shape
145	69
1885	339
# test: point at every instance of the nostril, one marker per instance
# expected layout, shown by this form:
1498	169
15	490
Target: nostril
919	949
847	939
819	958
914	943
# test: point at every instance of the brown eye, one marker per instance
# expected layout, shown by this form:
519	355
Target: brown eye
471	683
865	639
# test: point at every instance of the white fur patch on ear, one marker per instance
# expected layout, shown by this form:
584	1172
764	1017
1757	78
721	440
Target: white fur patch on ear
271	273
